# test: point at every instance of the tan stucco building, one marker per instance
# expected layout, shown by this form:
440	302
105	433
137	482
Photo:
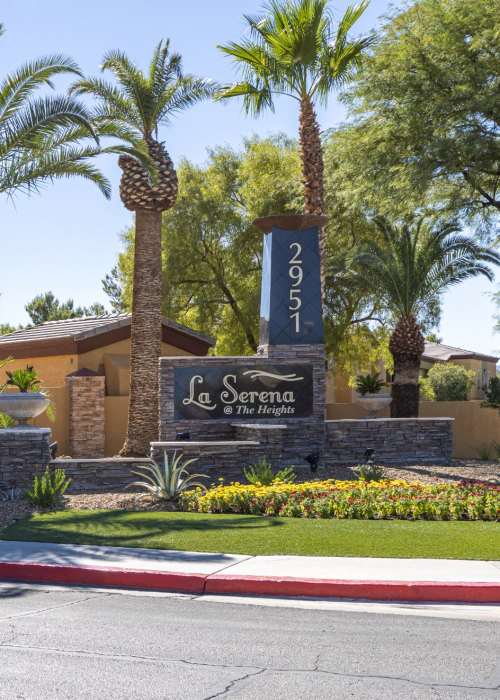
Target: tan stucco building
89	357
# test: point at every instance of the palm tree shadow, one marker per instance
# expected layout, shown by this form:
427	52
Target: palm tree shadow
132	532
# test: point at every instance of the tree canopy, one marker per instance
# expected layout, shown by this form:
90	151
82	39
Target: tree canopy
423	130
46	307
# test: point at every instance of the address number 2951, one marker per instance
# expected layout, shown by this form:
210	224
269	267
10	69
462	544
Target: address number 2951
296	274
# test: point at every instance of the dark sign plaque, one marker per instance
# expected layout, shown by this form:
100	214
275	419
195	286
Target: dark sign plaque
243	392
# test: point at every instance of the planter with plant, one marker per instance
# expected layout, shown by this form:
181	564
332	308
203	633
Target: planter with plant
369	397
30	402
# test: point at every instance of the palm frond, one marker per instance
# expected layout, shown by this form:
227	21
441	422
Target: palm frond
294	50
28	172
20	85
413	265
40	118
182	94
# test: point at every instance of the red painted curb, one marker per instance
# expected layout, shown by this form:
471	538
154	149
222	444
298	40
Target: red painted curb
53	573
431	591
371	590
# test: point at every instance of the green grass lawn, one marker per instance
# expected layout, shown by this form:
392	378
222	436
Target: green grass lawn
249	534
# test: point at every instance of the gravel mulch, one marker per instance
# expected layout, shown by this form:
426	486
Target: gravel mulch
14	510
459	470
115	501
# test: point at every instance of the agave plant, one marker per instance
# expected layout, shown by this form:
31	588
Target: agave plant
169	481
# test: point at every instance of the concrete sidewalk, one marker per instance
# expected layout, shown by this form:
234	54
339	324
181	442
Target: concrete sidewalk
203	572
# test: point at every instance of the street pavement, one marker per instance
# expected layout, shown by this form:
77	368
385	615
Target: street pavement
83	643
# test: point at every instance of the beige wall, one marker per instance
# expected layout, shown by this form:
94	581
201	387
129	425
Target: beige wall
116	409
60	427
475	427
52	370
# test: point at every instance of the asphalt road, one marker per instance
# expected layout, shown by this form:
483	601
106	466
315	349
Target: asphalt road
86	644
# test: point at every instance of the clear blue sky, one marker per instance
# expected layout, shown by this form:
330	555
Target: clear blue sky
68	238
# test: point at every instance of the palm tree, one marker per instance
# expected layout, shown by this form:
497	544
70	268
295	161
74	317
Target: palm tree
132	110
44	138
410	266
294	50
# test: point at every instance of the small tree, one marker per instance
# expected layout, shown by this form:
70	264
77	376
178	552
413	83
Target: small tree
493	393
450	382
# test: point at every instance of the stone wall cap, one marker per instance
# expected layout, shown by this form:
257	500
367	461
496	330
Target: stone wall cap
205	443
260	426
25	431
389	420
99	460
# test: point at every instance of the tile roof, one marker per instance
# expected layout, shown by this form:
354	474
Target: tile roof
86	327
437	352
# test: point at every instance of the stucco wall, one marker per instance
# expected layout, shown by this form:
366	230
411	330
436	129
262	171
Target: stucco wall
475	426
52	370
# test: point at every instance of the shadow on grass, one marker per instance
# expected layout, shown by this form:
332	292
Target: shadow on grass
113	529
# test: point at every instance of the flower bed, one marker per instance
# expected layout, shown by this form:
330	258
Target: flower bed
397	499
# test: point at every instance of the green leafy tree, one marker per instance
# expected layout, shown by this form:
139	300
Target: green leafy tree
133	109
6	328
450	382
295	50
424	127
44	137
46	307
410	269
112	287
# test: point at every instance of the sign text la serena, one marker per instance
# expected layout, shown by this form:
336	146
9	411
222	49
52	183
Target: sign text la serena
261	391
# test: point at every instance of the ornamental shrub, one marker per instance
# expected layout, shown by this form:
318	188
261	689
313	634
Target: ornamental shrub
49	488
493	392
450	382
262	474
369	472
367	500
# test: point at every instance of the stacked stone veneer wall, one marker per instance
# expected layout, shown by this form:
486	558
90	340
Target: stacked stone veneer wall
23	453
303	433
395	440
87	430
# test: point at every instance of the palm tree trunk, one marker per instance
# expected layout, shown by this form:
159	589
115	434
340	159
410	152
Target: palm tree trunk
142	427
311	153
406	346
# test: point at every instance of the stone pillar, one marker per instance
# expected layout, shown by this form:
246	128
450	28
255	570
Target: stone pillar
23	453
86	414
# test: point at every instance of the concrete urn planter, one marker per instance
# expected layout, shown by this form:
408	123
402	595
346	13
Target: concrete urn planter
23	406
373	403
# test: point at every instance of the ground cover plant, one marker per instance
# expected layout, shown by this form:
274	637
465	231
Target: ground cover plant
253	534
366	500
